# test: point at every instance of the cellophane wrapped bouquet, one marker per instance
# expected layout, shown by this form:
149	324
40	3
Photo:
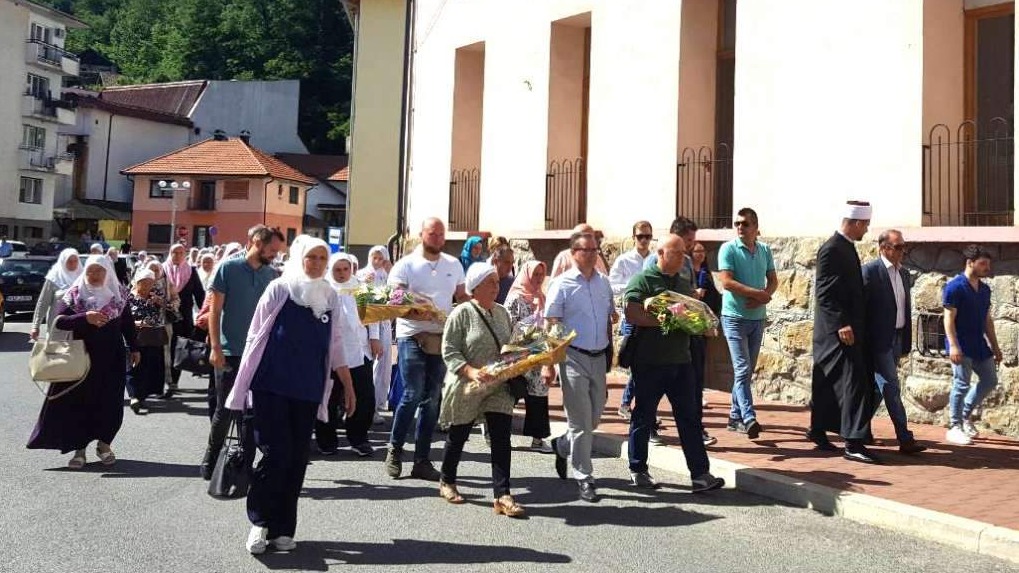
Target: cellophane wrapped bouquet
678	312
382	303
533	344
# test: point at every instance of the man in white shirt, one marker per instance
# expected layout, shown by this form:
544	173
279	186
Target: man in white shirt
625	266
430	272
889	332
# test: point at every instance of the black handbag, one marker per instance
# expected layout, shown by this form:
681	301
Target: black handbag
518	384
231	476
192	356
627	349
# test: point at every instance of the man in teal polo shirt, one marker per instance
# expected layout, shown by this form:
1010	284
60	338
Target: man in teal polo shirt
748	278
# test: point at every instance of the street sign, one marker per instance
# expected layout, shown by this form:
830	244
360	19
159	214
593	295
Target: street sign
213	231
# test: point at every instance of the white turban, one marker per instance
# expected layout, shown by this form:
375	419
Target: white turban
477	274
858	212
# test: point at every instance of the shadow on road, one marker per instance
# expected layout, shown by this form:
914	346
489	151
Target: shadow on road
320	555
15	342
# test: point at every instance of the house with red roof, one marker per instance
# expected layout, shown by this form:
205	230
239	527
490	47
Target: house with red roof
212	192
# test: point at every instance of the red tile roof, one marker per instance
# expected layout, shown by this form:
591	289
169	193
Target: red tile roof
177	98
341	175
127	110
318	166
229	157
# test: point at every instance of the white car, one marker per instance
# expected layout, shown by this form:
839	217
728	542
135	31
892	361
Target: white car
19	250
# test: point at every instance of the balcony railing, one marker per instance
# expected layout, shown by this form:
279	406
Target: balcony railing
704	186
464	199
968	177
39	52
200	202
565	194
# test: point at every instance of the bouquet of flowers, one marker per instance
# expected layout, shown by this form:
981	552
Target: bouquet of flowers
675	312
382	303
532	345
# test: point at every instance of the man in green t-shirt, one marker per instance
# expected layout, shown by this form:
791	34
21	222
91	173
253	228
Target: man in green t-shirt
661	367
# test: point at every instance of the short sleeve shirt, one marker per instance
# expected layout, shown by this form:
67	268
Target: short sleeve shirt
437	280
750	269
971	308
583	305
653	347
241	286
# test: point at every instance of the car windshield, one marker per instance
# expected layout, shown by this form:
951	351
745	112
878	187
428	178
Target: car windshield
22	267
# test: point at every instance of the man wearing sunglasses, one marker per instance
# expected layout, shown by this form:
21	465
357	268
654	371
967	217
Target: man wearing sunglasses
889	332
624	268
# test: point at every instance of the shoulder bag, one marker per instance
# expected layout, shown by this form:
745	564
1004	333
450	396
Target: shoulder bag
59	362
518	384
231	476
628	349
152	336
192	356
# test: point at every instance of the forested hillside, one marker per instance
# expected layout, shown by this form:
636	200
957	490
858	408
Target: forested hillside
169	40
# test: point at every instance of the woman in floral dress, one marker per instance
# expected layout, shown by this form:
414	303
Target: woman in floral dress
526	302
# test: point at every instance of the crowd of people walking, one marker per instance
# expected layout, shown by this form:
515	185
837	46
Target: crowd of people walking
292	362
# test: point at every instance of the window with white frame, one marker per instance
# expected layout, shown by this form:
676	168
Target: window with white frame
33	137
31	190
38	86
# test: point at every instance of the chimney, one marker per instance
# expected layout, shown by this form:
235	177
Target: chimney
246	137
219	135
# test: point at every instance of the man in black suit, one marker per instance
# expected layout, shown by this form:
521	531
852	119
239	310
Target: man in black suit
889	332
842	393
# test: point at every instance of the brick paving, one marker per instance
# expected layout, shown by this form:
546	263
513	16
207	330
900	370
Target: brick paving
978	482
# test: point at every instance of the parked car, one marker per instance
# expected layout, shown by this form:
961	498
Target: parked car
18	249
21	281
51	249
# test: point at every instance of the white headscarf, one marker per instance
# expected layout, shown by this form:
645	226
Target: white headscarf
352	283
96	249
304	290
144	274
381	275
476	274
203	275
97	297
60	275
230	250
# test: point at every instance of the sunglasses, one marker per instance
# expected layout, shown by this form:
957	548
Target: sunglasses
643	237
742	224
592	250
899	247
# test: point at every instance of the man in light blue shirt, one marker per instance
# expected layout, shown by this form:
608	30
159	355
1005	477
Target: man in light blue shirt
748	278
581	299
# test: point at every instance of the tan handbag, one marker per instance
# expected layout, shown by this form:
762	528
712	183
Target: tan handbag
59	362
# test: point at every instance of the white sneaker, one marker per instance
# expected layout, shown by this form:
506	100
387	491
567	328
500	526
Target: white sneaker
970	429
284	543
256	540
956	435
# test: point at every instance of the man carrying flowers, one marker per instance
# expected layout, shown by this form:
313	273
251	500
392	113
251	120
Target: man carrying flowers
661	366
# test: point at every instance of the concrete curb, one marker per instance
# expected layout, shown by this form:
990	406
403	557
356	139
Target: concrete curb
960	532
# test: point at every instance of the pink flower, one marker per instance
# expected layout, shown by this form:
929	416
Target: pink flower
677	308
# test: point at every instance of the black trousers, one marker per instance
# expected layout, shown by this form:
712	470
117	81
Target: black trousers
281	433
357	424
499	427
536	423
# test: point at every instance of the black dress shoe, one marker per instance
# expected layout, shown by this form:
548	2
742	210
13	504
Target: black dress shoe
821	442
860	454
911	447
560	461
206	472
588	493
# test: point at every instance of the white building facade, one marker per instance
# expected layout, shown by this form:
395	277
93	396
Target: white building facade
34	158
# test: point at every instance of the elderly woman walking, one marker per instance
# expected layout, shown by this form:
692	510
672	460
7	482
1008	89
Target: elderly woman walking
295	342
526	302
473	335
376	274
185	282
146	377
59	278
94	309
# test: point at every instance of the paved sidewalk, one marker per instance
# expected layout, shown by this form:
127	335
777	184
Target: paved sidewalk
978	482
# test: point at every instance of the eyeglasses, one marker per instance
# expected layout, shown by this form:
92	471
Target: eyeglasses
591	250
742	224
898	247
643	237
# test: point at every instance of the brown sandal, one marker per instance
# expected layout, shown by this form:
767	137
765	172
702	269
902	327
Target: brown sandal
448	492
506	506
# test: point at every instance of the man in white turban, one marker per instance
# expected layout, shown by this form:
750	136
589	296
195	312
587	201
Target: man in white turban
842	391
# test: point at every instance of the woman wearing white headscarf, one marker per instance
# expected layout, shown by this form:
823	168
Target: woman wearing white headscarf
294	343
59	278
376	273
185	282
94	309
206	266
163	292
146	378
361	345
468	344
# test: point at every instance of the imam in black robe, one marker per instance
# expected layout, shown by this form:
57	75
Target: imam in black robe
842	391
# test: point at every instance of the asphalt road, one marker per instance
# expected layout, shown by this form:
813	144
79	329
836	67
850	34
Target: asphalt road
151	513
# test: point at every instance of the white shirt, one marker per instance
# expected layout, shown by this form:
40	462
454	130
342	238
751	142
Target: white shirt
437	280
355	335
900	293
625	266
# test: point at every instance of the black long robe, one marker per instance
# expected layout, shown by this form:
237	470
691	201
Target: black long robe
842	393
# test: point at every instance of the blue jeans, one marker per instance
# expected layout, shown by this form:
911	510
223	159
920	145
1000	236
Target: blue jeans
675	382
963	397
886	376
422	392
626	329
744	339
